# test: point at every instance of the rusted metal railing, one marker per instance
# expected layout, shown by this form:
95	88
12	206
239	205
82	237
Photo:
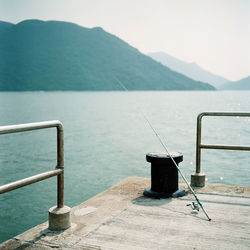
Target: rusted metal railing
59	171
198	179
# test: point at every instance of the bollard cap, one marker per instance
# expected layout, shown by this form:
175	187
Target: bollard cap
163	157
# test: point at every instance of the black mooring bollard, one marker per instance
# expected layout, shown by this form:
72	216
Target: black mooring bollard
164	175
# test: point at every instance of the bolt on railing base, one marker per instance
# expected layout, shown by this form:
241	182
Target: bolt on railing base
198	180
59	218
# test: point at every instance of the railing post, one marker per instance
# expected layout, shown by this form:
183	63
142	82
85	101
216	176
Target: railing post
198	178
198	143
60	165
59	216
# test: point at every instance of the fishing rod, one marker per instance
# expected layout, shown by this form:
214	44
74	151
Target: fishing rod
194	206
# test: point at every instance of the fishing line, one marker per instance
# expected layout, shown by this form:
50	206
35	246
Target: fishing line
166	149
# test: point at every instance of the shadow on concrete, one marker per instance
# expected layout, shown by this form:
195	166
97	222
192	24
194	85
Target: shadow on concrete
146	201
222	202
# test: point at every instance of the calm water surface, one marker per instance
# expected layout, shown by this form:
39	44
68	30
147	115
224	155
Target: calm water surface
106	139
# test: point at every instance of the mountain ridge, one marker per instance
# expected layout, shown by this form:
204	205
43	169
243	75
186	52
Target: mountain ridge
242	84
56	55
4	25
192	70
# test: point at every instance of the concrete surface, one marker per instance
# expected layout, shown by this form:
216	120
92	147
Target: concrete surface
121	218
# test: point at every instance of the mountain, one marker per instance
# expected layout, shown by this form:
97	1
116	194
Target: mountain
243	84
4	25
53	55
191	70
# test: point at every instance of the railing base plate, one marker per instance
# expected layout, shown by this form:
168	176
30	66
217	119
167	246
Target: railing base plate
59	218
198	180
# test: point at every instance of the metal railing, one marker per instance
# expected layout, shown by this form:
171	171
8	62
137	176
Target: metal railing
199	145
59	171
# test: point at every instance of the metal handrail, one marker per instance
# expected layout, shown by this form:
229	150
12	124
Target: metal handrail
199	146
59	171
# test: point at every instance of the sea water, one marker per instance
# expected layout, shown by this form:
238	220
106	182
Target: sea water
106	139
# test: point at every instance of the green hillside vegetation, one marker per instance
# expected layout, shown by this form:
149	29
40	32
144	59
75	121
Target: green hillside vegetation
243	84
38	55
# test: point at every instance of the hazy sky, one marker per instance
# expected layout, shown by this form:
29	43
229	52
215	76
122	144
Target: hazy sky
213	33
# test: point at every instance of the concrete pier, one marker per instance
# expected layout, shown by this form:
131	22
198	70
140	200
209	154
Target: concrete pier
122	218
